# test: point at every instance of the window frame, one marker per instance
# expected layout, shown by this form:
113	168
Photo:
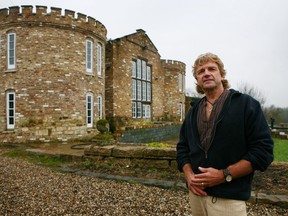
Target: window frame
180	82
148	89
134	110
134	69
144	91
134	89
89	107
146	111
100	107
11	66
180	111
141	88
99	59
89	56
9	108
139	110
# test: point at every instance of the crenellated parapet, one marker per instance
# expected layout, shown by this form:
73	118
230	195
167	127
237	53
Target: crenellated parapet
173	65
70	20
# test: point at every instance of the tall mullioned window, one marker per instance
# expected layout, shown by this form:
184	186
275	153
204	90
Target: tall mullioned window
141	89
89	56
99	59
89	110
11	51
10	109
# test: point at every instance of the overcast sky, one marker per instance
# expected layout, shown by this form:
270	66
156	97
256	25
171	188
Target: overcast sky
250	36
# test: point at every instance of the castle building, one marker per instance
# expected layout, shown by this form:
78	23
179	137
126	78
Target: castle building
139	84
59	75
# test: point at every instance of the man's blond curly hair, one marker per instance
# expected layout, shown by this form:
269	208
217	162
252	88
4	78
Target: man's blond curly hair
203	59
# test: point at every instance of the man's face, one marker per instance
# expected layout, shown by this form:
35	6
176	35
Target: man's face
208	76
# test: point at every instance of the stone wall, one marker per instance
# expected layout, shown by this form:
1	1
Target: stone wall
136	155
150	133
174	93
50	80
279	134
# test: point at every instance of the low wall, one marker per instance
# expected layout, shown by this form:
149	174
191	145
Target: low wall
150	133
136	155
279	134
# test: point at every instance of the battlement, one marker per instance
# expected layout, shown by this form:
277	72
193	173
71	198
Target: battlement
172	63
80	22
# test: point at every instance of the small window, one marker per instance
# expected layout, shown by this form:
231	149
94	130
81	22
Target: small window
11	51
183	79
99	59
133	69
10	110
148	91
134	89
144	69
133	109
138	68
180	111
144	92
89	56
89	110
180	82
139	109
100	114
146	111
148	73
139	88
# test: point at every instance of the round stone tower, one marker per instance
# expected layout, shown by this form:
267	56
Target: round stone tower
52	74
175	72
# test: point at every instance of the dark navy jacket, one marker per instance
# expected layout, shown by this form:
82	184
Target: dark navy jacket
241	133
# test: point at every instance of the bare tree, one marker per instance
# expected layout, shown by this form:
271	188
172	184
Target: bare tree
243	87
189	92
252	91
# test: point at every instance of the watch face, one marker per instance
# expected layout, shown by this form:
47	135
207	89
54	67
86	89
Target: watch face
228	178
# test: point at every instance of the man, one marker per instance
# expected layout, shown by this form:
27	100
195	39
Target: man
222	141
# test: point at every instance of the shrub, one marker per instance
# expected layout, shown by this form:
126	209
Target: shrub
102	126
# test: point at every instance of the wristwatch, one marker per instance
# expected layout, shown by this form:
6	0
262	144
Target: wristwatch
227	175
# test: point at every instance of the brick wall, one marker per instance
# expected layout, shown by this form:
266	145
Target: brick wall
119	55
174	93
166	96
50	79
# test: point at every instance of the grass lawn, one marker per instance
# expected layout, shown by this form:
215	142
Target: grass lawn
280	150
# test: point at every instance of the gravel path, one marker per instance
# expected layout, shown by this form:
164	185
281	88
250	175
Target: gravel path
27	189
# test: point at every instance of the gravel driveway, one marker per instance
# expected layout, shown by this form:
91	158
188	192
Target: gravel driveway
28	189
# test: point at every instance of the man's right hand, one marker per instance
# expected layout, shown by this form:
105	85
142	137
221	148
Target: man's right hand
195	188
